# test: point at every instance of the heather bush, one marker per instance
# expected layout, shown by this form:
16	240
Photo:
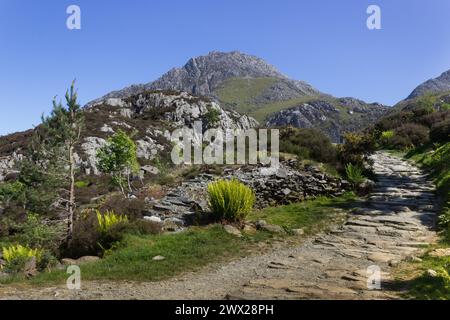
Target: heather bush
410	135
357	148
307	144
440	132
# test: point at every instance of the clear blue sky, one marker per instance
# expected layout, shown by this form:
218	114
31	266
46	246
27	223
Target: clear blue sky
122	42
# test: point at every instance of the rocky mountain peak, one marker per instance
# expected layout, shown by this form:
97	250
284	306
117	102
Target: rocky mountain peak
203	75
436	85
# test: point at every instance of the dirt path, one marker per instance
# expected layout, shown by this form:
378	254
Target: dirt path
391	226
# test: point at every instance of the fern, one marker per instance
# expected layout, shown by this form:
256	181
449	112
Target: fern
18	252
109	219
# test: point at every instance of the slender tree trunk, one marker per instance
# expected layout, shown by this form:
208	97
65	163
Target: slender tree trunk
121	185
71	206
129	182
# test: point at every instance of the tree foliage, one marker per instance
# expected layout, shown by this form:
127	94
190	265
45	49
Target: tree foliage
119	159
48	170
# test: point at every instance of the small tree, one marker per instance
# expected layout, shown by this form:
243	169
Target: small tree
48	171
51	160
119	159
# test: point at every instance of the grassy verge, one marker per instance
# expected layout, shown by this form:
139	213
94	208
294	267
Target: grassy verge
199	246
311	215
413	276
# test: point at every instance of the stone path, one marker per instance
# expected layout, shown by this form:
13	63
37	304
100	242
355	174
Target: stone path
395	222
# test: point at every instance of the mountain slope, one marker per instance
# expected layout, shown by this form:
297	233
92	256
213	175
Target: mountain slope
331	115
250	85
436	85
217	73
150	117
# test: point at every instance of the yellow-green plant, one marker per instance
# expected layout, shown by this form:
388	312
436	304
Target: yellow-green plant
19	252
230	200
386	136
354	174
109	219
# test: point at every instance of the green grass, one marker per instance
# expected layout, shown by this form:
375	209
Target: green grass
183	252
240	94
424	287
309	215
198	246
420	285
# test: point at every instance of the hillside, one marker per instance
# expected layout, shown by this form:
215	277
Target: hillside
333	116
433	86
150	116
251	86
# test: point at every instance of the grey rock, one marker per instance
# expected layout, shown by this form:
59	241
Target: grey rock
432	273
79	261
272	228
150	170
158	258
298	232
232	230
153	219
30	268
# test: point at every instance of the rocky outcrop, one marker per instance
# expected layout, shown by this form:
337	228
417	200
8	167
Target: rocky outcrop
7	165
332	116
437	85
151	116
272	186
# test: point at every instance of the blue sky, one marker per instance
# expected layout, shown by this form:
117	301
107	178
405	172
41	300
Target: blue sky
324	42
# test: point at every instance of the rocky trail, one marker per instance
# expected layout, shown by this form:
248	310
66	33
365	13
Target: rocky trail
393	224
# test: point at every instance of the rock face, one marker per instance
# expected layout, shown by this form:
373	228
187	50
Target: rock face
153	115
436	85
332	116
271	186
202	75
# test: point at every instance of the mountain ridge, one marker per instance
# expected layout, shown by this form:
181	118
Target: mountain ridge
434	85
203	75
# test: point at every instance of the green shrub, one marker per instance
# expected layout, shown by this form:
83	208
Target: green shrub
12	191
81	184
410	135
440	132
85	238
109	219
307	144
357	148
212	117
386	137
41	233
230	200
132	208
354	174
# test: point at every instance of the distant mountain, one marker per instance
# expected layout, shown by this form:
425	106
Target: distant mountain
436	85
251	86
239	81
